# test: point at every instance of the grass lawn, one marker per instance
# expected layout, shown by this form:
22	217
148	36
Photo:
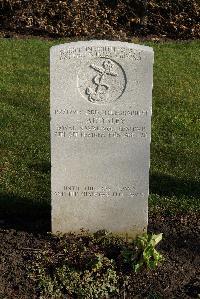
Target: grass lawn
25	132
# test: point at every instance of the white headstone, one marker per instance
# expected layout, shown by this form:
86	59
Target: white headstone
101	94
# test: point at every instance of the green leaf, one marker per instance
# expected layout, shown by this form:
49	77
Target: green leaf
156	239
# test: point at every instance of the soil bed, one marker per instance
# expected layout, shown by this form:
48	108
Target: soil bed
177	277
7	34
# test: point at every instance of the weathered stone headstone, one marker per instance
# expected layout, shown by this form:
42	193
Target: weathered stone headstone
101	93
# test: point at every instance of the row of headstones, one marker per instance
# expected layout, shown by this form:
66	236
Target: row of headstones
101	94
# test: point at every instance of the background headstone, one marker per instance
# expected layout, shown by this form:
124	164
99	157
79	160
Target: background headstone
101	94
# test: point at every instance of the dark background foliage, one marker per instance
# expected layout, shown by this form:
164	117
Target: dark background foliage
176	19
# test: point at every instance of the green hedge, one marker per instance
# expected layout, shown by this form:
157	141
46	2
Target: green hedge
102	18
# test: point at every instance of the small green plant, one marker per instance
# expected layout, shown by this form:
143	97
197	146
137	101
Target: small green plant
143	252
97	279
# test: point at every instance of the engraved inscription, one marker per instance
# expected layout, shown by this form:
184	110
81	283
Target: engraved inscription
94	52
132	113
93	123
100	131
101	81
98	192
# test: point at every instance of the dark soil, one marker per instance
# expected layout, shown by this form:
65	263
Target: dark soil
177	277
9	34
105	19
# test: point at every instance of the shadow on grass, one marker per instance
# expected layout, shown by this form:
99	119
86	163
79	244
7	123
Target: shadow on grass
165	185
23	214
43	167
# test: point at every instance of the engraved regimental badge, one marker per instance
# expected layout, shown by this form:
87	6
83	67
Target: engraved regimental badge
101	81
